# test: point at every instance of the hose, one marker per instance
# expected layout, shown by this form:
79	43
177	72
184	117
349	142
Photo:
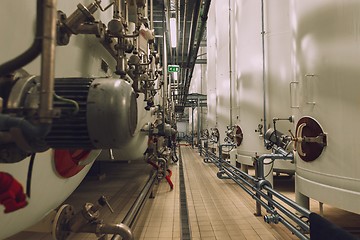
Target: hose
33	51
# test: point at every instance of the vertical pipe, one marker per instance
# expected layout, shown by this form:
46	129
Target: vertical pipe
263	63
230	66
177	30
48	62
184	31
183	70
152	14
198	120
192	126
165	86
117	9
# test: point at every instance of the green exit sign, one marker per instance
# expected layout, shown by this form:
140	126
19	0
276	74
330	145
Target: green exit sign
173	68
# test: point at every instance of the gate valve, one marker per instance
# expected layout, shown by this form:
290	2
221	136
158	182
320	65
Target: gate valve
12	195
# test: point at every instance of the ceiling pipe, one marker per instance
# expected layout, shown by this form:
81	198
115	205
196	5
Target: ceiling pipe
195	16
167	24
177	9
204	17
183	70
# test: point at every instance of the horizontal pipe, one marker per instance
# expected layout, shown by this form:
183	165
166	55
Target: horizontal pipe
29	130
282	209
289	202
293	229
135	209
104	228
237	176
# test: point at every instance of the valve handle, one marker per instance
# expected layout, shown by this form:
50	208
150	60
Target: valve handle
299	139
103	201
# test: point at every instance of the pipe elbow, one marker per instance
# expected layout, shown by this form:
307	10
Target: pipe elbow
117	229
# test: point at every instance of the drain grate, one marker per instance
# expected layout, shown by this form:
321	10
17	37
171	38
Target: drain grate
184	214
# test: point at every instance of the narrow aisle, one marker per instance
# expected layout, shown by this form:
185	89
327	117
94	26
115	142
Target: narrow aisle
219	209
160	218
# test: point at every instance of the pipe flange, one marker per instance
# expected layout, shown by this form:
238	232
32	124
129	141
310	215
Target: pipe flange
60	229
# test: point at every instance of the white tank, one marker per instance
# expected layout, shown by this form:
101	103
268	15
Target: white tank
326	49
81	58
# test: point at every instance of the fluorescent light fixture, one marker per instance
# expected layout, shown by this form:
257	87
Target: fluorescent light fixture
173	32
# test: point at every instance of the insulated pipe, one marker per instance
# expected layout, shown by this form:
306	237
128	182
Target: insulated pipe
33	51
167	23
183	71
193	28
184	31
48	62
177	30
204	18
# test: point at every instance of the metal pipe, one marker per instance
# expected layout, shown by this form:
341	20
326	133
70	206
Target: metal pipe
165	77
33	51
260	161
230	66
152	14
48	62
130	217
193	28
167	24
177	30
104	228
236	177
192	127
204	18
291	215
288	201
263	64
184	31
293	229
117	9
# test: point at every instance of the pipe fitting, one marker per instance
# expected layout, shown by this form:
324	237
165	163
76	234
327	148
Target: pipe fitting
272	218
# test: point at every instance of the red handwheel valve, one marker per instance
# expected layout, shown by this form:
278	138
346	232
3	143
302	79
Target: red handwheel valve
12	195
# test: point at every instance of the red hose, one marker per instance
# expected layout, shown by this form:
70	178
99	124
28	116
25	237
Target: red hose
167	177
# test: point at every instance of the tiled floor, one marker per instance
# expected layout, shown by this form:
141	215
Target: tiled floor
217	209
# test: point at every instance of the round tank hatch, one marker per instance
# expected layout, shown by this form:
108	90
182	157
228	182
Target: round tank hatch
239	136
310	139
